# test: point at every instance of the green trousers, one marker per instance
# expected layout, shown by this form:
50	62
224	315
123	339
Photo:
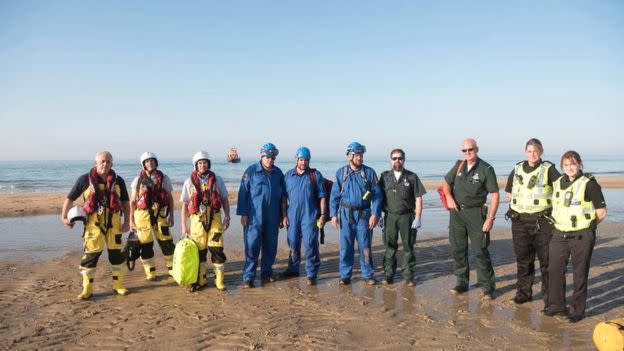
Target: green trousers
464	224
394	225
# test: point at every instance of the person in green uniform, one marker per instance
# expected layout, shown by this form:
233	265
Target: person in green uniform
466	187
402	207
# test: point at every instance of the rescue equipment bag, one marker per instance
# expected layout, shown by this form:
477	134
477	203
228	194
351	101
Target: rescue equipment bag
185	262
609	336
440	189
132	250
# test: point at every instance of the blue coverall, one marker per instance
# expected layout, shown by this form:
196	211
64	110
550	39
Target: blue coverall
354	213
259	198
303	210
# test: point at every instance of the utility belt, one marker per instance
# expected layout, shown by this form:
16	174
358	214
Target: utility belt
538	218
354	208
572	235
513	214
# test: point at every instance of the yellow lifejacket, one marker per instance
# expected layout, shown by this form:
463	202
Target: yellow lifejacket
531	192
570	210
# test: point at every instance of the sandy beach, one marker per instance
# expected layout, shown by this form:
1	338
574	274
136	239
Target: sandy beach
30	204
39	309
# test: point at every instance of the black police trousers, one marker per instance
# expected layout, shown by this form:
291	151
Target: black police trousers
531	236
579	246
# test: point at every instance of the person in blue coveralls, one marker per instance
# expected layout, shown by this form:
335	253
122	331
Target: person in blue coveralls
262	207
306	201
355	207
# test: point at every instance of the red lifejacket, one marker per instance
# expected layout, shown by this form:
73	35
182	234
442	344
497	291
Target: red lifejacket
147	196
209	197
108	197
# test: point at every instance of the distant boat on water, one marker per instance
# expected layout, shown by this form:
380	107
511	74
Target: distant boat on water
232	156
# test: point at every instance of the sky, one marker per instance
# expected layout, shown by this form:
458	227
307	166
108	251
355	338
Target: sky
176	77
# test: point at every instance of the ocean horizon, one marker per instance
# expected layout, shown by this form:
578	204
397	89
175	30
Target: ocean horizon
49	176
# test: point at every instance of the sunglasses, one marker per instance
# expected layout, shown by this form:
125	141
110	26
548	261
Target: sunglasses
397	158
467	150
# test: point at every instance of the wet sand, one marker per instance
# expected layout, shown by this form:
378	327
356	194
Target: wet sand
30	204
39	309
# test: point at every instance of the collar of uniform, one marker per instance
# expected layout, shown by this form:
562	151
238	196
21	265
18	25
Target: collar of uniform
528	168
473	167
351	170
260	169
565	180
306	171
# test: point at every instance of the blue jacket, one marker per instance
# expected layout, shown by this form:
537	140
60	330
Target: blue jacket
260	194
302	195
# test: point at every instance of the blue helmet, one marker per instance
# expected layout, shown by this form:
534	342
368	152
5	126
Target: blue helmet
356	148
269	149
303	152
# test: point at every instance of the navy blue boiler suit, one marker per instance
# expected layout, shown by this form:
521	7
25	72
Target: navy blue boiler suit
259	198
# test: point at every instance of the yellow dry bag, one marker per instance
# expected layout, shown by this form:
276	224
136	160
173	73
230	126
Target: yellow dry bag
609	336
185	262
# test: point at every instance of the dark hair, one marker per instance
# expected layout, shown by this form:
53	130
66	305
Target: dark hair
535	142
397	150
572	155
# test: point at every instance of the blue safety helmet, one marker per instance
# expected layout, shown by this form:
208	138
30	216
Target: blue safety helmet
303	152
269	149
356	148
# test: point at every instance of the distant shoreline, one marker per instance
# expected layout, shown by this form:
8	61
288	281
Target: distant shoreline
32	204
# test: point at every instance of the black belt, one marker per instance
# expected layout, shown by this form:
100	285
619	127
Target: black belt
571	236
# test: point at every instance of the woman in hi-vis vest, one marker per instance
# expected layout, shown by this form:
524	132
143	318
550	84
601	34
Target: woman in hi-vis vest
529	190
578	207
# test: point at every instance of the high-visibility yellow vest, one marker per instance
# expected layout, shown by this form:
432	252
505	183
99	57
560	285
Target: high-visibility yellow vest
570	210
531	192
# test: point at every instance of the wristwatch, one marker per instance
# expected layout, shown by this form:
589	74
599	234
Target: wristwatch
491	217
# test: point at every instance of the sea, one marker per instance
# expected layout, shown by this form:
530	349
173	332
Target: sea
21	236
59	176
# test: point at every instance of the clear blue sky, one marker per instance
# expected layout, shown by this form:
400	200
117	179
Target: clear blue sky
129	76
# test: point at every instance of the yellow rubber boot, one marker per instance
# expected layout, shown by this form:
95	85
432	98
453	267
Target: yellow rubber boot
169	263
118	282
150	269
203	269
219	276
87	283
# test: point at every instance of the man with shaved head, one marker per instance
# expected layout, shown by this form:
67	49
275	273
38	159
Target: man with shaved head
106	202
466	187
